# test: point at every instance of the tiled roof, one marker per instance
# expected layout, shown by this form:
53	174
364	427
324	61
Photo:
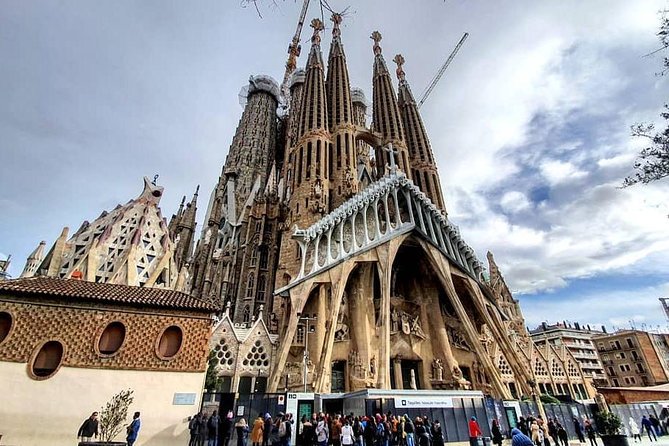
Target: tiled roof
81	290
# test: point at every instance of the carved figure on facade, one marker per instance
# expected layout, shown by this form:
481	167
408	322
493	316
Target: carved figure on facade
317	25
342	329
486	339
408	324
437	370
350	183
318	199
457	338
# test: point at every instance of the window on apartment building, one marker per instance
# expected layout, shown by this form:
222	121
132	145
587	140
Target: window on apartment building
618	346
632	380
613	345
616	383
630	344
635	355
625	367
622	355
640	368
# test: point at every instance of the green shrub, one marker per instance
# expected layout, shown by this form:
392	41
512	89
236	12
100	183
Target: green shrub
608	423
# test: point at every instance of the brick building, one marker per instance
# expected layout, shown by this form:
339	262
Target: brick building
67	346
634	358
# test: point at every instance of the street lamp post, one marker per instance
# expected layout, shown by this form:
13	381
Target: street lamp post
307	329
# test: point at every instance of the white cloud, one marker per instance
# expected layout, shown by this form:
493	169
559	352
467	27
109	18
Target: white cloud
514	201
556	171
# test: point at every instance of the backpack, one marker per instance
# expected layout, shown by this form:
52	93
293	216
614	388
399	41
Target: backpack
380	430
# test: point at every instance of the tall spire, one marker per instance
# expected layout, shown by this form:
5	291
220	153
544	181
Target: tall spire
185	232
342	158
34	260
386	118
421	158
313	114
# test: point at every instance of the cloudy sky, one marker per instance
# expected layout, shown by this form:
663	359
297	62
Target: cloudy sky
530	125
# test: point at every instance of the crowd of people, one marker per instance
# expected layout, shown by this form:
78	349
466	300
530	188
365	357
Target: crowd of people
388	430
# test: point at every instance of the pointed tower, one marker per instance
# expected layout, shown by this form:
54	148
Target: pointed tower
184	232
386	118
421	159
342	157
34	260
129	245
174	221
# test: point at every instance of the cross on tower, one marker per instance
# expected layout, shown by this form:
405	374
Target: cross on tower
391	154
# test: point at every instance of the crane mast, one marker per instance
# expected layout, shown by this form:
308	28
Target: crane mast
440	73
293	52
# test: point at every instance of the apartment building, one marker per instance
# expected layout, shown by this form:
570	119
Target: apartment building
633	358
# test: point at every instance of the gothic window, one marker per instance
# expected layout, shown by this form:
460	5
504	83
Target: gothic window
254	257
261	288
264	255
247	314
249	285
330	160
308	166
258	226
348	155
257	356
338	151
299	167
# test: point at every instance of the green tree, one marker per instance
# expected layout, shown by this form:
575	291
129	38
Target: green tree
212	382
114	414
653	161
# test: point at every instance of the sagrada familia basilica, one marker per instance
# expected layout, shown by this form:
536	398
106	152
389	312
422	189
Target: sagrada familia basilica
327	245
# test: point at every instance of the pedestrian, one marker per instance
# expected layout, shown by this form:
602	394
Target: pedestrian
590	431
89	429
347	437
257	431
562	434
358	429
552	431
656	424
226	429
520	439
522	425
267	430
579	430
321	431
474	431
133	429
286	430
242	430
496	433
194	428
648	426
437	434
204	430
213	428
422	438
409	428
634	429
336	431
537	437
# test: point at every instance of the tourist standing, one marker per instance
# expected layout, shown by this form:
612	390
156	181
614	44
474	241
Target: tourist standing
496	433
562	434
552	431
634	429
212	429
267	430
474	431
226	429
322	431
347	437
257	431
520	439
336	431
437	434
590	431
409	429
89	429
579	430
242	430
133	429
648	426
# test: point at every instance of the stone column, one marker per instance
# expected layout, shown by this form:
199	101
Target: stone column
385	266
397	372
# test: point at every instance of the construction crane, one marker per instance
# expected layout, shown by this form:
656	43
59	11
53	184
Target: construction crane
440	73
293	51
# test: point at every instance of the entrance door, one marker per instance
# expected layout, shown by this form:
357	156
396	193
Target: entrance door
410	374
338	377
305	407
511	417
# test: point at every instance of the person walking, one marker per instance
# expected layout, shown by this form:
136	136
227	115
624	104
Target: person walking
562	434
133	429
204	430
634	429
347	437
496	433
307	432
322	431
437	434
648	426
537	435
212	429
257	431
590	431
579	430
474	431
656	425
336	431
410	430
242	430
226	429
194	428
89	429
552	431
267	430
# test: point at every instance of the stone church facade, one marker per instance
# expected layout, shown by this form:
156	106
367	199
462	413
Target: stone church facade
327	241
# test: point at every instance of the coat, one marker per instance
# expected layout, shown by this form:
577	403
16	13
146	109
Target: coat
89	428
258	429
520	439
634	428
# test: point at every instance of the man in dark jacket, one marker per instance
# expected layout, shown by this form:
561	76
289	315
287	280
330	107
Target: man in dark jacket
89	429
